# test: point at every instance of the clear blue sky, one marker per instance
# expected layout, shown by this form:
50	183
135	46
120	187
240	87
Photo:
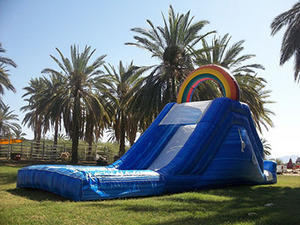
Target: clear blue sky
30	30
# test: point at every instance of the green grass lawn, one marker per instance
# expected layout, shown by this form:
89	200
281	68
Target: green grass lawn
232	205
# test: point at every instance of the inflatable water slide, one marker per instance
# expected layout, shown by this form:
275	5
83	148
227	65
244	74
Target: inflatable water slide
189	146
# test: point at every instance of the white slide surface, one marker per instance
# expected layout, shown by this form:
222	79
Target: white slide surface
188	114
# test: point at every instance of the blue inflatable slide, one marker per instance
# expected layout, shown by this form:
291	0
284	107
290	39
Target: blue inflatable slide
189	146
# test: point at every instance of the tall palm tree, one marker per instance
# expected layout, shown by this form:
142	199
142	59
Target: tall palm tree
78	92
4	75
290	43
126	81
170	45
253	87
8	122
94	125
52	111
34	118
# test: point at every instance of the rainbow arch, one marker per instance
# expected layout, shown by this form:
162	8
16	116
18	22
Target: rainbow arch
218	74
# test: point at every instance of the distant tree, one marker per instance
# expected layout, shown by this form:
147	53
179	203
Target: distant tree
290	43
126	81
62	138
8	122
290	164
4	74
19	134
95	124
34	117
267	146
279	161
52	110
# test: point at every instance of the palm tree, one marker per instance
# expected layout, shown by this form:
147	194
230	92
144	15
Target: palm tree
54	111
126	81
254	93
279	161
34	117
51	110
78	92
253	88
219	52
290	44
267	147
19	134
8	125
4	76
170	44
94	126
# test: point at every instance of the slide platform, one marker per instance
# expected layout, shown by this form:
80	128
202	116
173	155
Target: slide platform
189	146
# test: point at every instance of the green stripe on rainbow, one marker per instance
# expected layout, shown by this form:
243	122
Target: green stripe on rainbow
218	74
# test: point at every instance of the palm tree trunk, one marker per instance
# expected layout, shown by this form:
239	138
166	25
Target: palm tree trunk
38	130
89	129
55	133
122	135
132	127
90	142
173	97
90	148
132	137
35	127
75	135
38	134
169	92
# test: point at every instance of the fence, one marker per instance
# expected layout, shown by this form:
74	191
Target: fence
43	151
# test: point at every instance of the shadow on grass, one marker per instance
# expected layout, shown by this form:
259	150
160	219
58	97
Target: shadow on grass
8	175
36	194
7	178
218	206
